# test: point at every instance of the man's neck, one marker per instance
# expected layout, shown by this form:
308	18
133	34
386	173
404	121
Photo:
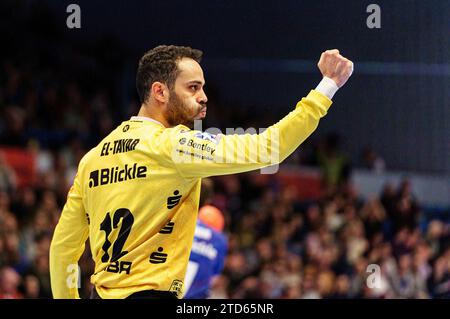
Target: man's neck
146	111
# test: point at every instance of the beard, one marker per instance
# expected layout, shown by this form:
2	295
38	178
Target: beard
179	112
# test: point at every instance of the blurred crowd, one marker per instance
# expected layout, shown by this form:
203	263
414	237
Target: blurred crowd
331	248
57	102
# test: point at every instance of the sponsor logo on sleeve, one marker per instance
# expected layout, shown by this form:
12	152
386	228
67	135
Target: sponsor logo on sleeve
206	136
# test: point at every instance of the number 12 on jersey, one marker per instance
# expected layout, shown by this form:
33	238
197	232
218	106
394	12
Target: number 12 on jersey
107	226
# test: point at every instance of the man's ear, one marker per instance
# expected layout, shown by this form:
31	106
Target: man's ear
160	92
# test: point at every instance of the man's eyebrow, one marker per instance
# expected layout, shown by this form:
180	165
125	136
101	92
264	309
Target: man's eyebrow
196	82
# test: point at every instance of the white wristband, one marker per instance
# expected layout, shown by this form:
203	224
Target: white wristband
327	87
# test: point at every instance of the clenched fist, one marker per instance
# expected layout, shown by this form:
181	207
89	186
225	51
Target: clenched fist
335	66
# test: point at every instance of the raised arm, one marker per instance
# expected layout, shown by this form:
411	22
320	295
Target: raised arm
197	154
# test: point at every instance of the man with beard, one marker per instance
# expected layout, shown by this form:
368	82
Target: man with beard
136	194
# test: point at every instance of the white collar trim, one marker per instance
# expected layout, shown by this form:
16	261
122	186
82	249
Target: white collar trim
144	118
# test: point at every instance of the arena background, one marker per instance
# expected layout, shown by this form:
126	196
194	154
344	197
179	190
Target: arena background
370	186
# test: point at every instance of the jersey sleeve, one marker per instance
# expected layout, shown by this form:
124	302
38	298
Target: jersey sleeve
67	244
196	154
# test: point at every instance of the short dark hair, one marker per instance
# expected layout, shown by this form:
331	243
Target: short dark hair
160	64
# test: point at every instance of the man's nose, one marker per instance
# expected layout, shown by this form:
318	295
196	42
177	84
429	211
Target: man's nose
202	98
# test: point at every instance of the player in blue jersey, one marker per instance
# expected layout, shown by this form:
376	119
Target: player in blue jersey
209	248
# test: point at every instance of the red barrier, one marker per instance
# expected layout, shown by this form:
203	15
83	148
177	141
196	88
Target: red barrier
23	162
308	184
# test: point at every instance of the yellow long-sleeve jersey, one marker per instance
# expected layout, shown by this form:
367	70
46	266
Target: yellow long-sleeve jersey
136	197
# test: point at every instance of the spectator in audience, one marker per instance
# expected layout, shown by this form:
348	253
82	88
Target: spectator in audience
373	161
334	163
8	179
9	283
